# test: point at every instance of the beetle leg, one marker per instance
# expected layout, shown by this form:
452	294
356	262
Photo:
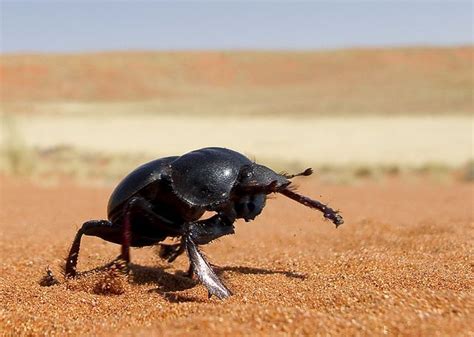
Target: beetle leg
202	232
121	234
190	272
126	235
170	252
328	212
205	231
204	272
100	228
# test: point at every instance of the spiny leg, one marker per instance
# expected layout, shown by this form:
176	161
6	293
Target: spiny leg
170	252
203	232
107	231
204	272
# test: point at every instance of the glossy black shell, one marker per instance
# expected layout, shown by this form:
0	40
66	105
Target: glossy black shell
205	177
202	180
137	180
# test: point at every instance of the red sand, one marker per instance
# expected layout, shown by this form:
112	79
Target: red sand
400	265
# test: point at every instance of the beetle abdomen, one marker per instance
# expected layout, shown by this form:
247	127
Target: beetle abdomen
137	180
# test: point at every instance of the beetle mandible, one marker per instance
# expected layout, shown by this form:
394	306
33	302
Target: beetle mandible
167	198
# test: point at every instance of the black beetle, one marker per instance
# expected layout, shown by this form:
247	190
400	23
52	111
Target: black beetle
168	196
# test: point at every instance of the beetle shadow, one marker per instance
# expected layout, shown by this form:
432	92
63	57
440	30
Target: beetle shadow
158	275
168	285
257	271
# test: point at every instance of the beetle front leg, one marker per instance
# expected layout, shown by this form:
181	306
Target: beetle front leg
203	232
204	272
328	212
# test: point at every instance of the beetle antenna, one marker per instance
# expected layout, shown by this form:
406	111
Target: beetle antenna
328	212
307	172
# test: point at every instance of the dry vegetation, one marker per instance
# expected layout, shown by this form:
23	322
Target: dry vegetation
111	147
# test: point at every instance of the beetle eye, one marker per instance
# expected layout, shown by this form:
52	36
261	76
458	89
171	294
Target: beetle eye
239	207
251	206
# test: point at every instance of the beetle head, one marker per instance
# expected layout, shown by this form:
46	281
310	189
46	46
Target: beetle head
247	207
257	178
250	192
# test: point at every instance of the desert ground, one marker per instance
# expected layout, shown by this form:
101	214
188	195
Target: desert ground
401	265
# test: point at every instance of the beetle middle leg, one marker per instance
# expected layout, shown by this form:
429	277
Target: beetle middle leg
170	252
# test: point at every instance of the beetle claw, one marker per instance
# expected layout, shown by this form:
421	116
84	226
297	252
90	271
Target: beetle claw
49	279
120	264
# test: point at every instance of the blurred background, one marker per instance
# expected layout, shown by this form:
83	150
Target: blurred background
91	89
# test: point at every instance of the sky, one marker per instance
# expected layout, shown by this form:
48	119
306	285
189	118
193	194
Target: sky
87	26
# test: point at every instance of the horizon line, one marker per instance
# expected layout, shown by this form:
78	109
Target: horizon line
237	49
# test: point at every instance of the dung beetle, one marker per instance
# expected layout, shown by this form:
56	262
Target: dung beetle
167	198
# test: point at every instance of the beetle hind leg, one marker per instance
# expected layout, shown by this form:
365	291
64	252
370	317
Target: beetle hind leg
101	228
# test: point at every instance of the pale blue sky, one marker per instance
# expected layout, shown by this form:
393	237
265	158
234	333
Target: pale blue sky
71	26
